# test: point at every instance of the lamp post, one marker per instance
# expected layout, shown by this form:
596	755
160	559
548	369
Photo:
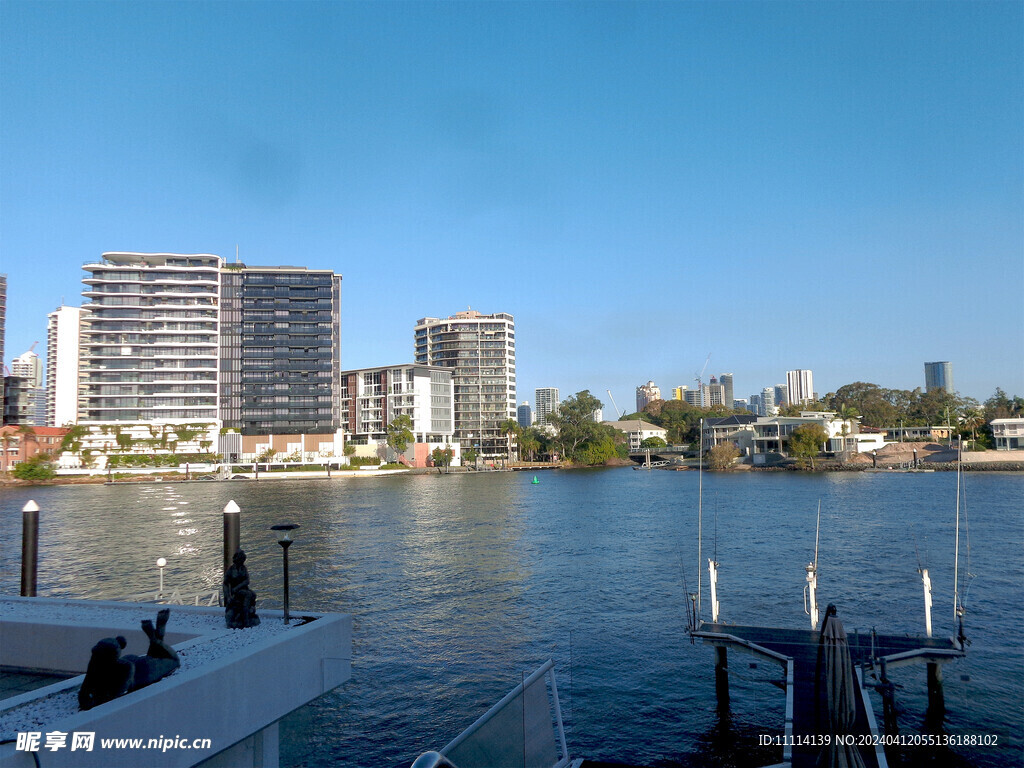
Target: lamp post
161	562
29	548
284	538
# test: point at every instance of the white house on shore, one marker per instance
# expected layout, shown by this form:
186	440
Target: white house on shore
637	431
1008	434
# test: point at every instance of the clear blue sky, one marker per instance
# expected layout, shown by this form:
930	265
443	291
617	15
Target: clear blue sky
837	187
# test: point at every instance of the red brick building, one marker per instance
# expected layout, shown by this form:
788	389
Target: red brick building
17	446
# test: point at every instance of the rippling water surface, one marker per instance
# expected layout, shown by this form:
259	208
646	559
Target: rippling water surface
460	583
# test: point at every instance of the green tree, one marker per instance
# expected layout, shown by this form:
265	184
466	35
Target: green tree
36	469
530	442
469	456
400	433
722	456
575	425
807	441
442	457
349	450
652	443
509	428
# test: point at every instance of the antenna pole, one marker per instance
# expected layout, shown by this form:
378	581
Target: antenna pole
700	511
956	554
817	530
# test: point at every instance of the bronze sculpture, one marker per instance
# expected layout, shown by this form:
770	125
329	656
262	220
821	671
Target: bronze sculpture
110	675
239	600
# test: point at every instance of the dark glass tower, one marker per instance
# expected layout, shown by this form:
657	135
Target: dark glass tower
280	350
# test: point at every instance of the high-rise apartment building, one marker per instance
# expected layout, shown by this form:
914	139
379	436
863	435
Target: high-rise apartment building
524	415
371	398
63	333
726	381
545	400
939	376
149	338
481	350
280	350
647	393
800	386
29	368
768	406
19	406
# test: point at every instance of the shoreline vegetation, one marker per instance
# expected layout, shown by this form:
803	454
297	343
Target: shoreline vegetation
989	464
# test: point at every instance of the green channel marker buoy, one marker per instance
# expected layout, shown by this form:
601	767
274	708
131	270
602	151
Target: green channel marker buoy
535	480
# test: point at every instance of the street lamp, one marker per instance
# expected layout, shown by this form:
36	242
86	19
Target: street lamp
284	538
161	562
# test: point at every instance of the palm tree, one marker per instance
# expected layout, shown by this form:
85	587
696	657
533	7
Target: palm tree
973	418
508	428
7	440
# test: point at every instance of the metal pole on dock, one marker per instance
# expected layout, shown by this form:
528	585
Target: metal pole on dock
713	583
231	532
29	548
809	591
700	512
927	601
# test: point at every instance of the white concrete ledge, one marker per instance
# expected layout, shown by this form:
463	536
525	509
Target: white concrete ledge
228	694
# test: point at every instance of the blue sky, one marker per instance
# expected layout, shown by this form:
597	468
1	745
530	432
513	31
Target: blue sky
837	187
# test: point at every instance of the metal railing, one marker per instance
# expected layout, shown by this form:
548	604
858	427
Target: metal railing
175	597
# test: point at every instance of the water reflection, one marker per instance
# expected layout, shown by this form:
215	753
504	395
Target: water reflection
458	583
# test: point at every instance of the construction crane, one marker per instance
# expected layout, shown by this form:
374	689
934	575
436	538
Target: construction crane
700	379
618	413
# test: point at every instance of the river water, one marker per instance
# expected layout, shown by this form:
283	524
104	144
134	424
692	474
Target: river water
460	583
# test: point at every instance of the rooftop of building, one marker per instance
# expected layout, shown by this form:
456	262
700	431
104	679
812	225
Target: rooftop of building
633	425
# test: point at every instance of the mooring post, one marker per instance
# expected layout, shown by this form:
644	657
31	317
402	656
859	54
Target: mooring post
722	677
29	548
886	688
231	532
936	700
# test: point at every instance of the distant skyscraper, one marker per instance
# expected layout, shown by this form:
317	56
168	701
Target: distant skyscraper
781	395
647	393
63	332
29	368
726	381
939	376
482	351
714	393
524	415
755	405
768	407
3	316
545	401
687	395
800	386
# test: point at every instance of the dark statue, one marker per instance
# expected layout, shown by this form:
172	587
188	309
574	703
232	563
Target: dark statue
110	675
239	600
